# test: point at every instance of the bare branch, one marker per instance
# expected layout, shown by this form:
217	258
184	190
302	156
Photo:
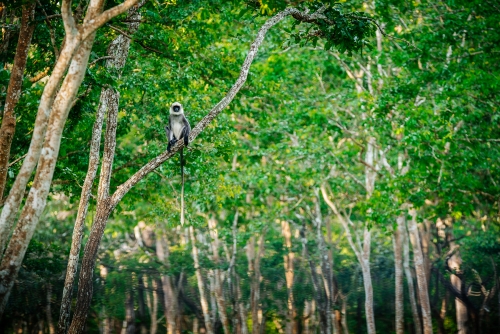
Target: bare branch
17	160
99	59
135	40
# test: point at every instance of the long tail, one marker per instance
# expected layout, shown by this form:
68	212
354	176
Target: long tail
182	189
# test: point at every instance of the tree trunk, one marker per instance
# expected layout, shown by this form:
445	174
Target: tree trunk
319	293
48	309
398	263
48	134
8	127
218	276
80	220
454	262
169	290
291	325
130	313
141	304
152	303
409	281
423	291
118	49
201	285
37	197
367	282
257	318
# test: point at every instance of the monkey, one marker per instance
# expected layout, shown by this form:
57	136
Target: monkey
178	128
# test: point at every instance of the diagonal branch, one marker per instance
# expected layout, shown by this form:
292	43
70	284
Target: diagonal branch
124	188
101	19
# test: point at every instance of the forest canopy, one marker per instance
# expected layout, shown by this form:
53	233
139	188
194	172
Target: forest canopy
342	172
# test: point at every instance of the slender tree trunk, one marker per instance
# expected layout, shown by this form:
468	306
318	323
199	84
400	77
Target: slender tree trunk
398	263
367	282
152	302
169	290
142	304
257	318
48	309
8	126
344	315
218	276
130	313
362	251
80	219
319	294
409	281
455	262
291	326
201	285
423	291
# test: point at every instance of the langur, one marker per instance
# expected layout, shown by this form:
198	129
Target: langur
178	128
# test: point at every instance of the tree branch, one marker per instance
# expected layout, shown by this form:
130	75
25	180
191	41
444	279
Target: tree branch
105	16
124	188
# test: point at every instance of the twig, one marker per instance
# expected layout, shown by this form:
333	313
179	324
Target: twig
51	30
15	161
100	58
135	40
383	32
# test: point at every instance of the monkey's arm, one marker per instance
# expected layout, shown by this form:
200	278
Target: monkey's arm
170	135
186	131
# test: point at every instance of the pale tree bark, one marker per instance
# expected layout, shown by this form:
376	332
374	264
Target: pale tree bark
169	290
8	126
218	276
288	258
257	316
44	148
344	315
455	262
319	293
240	321
362	249
142	304
129	323
118	49
409	280
423	291
152	303
326	268
201	285
398	279
37	197
254	275
75	35
107	202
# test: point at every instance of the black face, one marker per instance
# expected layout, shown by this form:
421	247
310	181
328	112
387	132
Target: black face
177	108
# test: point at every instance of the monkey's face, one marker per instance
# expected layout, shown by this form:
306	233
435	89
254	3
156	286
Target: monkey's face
176	108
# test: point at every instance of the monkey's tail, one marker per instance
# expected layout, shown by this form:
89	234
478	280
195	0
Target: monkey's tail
182	189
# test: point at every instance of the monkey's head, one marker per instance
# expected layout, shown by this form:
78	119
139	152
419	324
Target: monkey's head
176	109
